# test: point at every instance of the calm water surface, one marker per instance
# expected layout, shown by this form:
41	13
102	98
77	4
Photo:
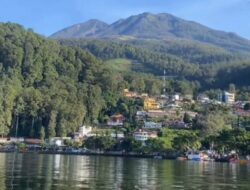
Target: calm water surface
68	172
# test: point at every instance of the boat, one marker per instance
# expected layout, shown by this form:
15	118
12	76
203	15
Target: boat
181	158
197	156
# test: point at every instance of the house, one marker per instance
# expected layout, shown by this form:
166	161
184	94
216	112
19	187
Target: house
151	104
144	95
203	98
140	115
156	113
173	106
4	141
143	135
152	125
83	131
16	140
118	135
178	125
116	120
57	141
175	97
226	97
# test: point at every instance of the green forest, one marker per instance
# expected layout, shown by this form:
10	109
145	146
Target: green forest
208	66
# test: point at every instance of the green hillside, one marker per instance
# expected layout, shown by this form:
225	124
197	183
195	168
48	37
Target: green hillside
210	66
120	65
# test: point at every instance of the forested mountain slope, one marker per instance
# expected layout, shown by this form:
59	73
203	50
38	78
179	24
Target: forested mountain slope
49	89
212	68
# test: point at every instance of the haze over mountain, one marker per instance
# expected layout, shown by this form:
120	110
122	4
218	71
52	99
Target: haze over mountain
155	26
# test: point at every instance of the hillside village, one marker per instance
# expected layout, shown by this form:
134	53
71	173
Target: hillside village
156	116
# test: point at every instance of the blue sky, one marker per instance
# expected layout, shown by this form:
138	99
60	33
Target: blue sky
49	16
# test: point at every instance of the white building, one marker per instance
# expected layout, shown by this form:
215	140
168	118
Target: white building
226	97
119	135
141	113
203	98
175	97
83	131
57	141
143	135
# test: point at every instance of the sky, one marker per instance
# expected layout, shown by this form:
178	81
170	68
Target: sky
48	16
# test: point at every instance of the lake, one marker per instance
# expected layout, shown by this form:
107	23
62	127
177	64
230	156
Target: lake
33	171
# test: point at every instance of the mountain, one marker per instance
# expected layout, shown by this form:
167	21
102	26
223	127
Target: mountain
83	30
158	27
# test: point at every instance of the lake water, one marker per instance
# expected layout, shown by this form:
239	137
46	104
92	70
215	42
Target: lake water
69	172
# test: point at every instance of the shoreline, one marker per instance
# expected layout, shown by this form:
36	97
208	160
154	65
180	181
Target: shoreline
108	154
125	155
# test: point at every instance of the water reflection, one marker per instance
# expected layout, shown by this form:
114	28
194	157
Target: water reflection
59	172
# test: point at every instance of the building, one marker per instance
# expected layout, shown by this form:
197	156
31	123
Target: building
4	141
83	131
157	113
118	135
144	95
173	106
116	120
16	140
175	97
151	104
129	94
142	135
226	97
140	115
57	141
178	125
203	98
152	125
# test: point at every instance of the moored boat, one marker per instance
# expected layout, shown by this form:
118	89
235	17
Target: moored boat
198	156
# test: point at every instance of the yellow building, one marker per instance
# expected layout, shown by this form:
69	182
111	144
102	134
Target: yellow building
150	104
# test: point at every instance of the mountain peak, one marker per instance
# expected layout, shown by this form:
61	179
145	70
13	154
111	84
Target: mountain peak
82	30
160	26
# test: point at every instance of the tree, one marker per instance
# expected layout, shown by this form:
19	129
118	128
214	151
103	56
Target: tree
211	124
138	84
52	124
186	140
154	145
247	106
42	133
187	118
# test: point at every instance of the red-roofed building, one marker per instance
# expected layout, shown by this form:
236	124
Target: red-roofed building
116	120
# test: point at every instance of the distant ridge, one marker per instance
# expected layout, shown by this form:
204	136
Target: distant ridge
161	26
83	30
